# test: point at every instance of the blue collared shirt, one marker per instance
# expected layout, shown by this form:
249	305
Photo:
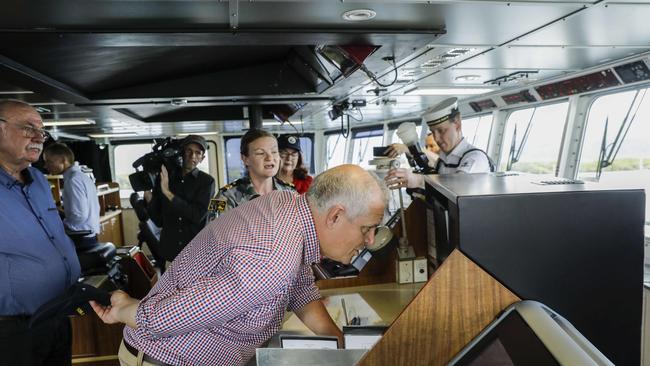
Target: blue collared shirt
80	201
37	260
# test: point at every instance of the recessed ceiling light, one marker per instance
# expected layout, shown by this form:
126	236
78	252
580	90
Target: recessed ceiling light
69	122
276	123
447	91
467	77
16	92
197	133
359	15
104	135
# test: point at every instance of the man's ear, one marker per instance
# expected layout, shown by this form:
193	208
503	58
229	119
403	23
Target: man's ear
334	215
459	124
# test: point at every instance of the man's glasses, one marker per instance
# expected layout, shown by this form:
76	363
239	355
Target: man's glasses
29	131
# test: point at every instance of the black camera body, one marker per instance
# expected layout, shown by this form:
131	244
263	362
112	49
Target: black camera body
166	152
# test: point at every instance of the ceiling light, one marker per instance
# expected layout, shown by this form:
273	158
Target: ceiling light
197	133
359	15
467	77
447	91
276	123
105	135
178	102
9	92
69	122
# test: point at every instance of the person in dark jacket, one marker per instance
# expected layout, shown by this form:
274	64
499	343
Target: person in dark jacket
179	204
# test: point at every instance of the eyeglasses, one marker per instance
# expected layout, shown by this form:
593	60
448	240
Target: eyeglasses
29	131
284	155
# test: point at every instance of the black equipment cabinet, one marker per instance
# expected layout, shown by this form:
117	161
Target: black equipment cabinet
578	248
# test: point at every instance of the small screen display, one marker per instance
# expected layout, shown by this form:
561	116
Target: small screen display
510	343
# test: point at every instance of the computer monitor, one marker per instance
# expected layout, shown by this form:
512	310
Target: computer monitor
529	333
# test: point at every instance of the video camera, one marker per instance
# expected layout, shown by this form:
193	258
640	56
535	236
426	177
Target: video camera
168	152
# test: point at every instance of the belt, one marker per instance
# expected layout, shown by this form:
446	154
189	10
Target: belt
134	351
14	317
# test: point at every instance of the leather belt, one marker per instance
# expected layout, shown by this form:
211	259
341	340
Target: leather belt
14	317
134	351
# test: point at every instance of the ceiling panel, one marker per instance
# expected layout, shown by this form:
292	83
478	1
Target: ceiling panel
495	23
120	14
609	24
548	58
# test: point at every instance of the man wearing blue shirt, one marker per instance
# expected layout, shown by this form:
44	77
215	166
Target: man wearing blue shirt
80	202
37	260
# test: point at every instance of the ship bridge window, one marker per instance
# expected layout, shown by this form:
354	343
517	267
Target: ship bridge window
532	139
335	143
477	130
363	140
126	153
616	146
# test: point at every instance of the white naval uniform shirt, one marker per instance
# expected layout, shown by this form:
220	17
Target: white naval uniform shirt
473	162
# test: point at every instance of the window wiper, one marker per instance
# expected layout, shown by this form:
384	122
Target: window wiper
515	154
336	143
603	152
608	156
511	153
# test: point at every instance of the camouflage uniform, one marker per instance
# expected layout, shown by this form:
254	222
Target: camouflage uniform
234	194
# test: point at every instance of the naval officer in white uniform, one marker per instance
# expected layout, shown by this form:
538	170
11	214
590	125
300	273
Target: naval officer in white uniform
456	154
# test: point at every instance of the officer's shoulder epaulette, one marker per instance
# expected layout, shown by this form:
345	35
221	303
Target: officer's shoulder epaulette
229	185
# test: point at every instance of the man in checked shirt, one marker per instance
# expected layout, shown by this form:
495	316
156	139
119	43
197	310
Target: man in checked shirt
226	292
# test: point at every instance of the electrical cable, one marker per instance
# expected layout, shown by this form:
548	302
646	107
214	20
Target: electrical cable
374	77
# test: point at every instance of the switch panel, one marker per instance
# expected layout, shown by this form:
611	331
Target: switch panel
405	271
420	270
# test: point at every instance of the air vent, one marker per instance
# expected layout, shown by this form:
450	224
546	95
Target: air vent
590	82
558	181
482	105
633	72
431	64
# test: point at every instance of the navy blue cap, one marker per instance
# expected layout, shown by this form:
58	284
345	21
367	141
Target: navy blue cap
289	142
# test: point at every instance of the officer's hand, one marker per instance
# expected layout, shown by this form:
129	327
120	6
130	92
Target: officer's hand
147	196
400	177
394	150
119	311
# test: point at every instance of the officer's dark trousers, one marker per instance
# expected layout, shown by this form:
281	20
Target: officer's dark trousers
47	344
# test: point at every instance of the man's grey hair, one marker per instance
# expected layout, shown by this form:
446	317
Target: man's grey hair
11	103
339	187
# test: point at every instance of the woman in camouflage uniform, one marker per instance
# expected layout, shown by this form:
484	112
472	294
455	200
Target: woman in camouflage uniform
259	152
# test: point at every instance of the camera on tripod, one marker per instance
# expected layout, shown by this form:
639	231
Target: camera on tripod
168	152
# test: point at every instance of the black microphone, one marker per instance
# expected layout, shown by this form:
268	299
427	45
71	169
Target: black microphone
409	136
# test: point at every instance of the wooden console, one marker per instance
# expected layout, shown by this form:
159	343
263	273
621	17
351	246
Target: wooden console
458	301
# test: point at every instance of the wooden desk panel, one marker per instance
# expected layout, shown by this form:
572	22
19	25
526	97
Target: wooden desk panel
459	300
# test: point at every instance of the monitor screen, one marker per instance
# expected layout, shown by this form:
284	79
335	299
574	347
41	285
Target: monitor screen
442	233
510	343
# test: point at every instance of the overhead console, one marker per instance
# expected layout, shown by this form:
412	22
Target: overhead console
628	73
581	84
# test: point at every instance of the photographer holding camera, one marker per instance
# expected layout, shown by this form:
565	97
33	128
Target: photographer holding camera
179	202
